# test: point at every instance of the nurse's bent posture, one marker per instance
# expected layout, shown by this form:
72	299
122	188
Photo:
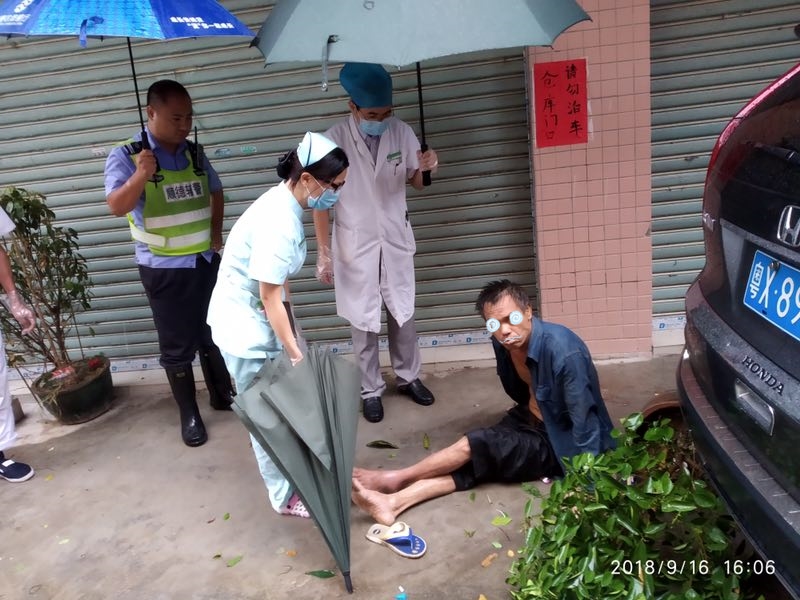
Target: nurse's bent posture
266	246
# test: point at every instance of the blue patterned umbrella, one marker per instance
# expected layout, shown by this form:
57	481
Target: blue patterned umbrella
146	19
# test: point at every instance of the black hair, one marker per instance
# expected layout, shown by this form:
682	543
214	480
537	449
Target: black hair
326	169
493	291
163	90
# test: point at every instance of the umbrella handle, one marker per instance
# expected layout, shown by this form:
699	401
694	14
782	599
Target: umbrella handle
426	175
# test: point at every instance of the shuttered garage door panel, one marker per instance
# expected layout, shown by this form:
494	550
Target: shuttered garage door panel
64	108
708	59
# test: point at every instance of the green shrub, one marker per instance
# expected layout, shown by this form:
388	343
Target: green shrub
638	522
51	276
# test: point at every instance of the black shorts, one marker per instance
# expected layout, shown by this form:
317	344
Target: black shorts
517	449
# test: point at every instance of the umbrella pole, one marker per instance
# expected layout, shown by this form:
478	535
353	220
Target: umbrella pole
145	141
426	175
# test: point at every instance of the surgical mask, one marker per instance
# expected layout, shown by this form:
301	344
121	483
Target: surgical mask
324	201
373	127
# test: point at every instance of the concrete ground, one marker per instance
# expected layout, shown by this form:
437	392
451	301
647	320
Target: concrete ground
121	509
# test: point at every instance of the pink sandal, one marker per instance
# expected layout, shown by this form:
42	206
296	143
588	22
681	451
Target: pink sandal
295	508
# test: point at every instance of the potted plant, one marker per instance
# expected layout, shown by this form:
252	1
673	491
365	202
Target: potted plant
52	277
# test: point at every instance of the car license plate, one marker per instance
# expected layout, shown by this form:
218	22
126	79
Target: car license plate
773	292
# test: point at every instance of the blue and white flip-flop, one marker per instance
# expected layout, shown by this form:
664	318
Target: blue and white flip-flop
399	538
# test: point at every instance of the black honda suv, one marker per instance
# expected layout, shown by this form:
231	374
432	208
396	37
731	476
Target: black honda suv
739	376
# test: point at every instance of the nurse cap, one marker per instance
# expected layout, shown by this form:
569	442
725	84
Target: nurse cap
313	147
369	85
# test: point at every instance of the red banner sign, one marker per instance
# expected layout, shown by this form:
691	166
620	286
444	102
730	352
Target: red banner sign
560	95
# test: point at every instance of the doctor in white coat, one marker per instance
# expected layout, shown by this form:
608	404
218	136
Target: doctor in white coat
373	244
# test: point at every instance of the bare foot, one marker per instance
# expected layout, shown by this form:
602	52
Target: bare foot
376	504
379	481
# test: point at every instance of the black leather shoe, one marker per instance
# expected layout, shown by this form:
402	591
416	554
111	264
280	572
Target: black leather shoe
373	409
418	392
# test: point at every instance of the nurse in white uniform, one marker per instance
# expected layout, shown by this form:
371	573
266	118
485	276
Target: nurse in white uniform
248	318
373	245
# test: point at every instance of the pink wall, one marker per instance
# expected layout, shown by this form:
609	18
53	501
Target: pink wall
592	201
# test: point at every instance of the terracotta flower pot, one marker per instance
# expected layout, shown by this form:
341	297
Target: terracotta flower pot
83	394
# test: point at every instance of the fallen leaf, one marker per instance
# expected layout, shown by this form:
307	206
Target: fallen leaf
212	520
381	444
234	561
472	496
482	597
217	556
323	574
291	553
393	455
511	554
426	441
497	545
226	516
469	532
48	477
488	560
501	520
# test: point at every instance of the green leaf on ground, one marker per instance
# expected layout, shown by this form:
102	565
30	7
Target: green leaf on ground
501	520
426	441
234	561
497	545
226	516
322	574
469	532
472	496
381	444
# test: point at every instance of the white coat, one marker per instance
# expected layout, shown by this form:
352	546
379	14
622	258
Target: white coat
373	245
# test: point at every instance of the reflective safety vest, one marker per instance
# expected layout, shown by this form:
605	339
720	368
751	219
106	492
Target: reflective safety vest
177	209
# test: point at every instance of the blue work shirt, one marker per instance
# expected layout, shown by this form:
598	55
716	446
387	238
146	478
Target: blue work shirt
120	168
566	386
267	243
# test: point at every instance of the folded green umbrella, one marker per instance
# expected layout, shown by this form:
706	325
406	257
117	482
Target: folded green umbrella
305	417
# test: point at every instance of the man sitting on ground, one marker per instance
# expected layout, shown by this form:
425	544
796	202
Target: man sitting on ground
548	371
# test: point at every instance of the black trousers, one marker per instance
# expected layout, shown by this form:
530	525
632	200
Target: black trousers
179	300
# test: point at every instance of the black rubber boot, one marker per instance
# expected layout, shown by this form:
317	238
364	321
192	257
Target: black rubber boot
181	380
218	380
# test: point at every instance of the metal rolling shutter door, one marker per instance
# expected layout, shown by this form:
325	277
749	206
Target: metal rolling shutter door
708	59
64	108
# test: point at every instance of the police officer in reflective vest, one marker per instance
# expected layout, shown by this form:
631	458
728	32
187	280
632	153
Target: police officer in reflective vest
174	203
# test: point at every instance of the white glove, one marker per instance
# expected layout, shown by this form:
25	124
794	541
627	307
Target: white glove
21	311
324	265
